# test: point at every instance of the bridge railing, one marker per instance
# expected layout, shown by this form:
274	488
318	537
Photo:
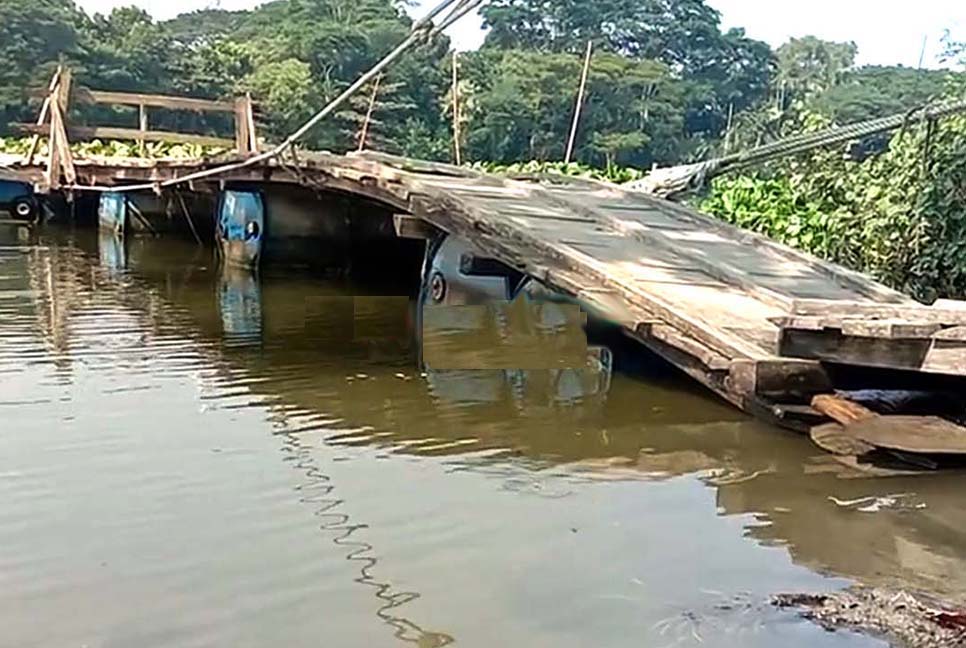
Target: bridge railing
52	122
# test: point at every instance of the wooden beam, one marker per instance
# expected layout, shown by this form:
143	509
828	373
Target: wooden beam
937	356
917	313
841	410
155	101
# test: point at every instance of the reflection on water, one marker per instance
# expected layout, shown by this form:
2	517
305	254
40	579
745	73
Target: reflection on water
192	458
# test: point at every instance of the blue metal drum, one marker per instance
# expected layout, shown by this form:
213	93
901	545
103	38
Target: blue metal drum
241	227
112	212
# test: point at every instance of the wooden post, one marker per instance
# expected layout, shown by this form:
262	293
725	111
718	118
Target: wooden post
372	105
457	153
242	136
52	173
250	119
60	159
61	145
580	103
63	91
142	126
44	113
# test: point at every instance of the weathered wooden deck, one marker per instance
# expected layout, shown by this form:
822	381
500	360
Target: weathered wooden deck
734	310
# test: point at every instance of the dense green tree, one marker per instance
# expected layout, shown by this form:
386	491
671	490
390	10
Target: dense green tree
874	91
665	84
34	36
810	65
204	26
725	72
521	104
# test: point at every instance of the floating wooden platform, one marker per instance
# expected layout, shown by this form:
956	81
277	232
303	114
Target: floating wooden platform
755	321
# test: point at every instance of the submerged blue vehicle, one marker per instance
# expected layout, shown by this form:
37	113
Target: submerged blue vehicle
18	199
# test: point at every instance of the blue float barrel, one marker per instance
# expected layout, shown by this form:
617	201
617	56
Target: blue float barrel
241	227
112	212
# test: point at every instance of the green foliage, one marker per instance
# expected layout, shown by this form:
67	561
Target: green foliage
717	72
34	36
116	148
898	216
536	167
519	105
809	65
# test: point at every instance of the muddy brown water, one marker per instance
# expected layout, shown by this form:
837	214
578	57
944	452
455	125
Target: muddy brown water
190	457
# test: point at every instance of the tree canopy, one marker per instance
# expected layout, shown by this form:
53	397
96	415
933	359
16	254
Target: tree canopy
667	83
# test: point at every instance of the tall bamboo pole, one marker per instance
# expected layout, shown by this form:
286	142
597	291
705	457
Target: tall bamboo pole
457	154
372	105
580	103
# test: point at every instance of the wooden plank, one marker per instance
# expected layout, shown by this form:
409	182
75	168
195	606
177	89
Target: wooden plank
154	100
919	434
841	410
873	328
889	328
936	356
913	312
849	278
715	267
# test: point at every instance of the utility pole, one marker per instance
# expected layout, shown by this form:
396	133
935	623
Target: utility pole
457	154
580	103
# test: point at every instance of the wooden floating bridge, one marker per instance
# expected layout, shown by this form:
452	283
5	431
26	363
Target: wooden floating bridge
764	326
755	321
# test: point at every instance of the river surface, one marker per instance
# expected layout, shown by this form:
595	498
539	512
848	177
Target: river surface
190	457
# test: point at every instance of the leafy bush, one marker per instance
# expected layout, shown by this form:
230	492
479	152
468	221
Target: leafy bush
611	174
116	148
900	216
